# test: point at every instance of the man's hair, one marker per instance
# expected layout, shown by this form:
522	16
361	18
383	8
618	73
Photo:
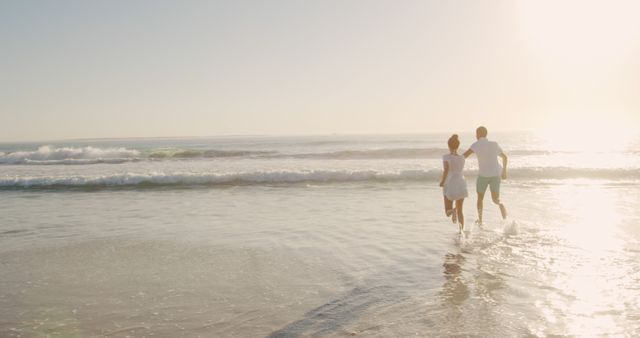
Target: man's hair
481	132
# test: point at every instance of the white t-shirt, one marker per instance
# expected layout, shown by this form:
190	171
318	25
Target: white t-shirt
487	153
456	164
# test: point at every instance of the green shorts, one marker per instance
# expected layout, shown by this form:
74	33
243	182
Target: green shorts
492	182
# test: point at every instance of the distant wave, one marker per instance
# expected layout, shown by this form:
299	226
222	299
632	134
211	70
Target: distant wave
48	155
400	153
293	177
373	154
385	153
212	153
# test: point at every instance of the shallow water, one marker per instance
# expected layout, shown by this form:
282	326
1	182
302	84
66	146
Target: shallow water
313	236
326	260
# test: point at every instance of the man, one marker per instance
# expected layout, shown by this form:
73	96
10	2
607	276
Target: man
489	171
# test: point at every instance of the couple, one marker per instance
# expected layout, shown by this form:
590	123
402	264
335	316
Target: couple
490	174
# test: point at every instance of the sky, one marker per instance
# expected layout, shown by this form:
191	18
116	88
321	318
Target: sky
95	69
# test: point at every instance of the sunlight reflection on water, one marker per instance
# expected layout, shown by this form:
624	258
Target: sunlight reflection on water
595	272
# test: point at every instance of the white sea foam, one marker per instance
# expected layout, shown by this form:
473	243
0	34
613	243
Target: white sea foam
242	178
293	177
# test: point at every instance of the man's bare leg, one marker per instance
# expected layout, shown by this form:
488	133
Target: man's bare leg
495	196
480	205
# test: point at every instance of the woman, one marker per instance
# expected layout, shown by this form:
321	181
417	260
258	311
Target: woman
453	182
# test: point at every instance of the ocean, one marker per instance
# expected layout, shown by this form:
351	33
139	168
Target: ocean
319	236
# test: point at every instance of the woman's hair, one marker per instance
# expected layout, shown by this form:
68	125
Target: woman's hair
453	142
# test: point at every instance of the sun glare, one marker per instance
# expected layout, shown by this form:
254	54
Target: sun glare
580	31
593	231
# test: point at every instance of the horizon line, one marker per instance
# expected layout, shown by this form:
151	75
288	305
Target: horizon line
2	141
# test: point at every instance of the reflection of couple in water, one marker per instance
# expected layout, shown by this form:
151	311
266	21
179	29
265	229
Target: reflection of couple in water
490	174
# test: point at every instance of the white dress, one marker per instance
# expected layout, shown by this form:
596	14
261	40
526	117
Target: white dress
455	186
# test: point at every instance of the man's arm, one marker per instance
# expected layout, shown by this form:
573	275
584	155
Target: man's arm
505	160
468	153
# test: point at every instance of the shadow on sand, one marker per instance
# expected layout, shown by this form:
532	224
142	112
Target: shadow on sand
334	315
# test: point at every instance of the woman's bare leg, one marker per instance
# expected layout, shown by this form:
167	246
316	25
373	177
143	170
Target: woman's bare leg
459	204
448	207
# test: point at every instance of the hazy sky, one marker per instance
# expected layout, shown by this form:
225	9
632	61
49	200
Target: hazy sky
84	69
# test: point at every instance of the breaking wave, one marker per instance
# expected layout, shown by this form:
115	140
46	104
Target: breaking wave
70	155
49	155
293	177
242	178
